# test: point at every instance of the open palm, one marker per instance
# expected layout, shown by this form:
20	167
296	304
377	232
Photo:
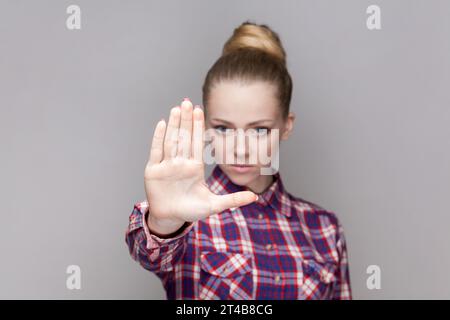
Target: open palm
174	175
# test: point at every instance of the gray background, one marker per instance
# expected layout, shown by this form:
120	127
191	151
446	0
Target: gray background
78	110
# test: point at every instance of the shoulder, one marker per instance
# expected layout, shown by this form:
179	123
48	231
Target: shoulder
321	227
313	213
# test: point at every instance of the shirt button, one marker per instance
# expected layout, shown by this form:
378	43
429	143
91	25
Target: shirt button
277	278
260	216
268	246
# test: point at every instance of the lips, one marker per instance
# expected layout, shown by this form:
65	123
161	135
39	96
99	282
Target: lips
241	168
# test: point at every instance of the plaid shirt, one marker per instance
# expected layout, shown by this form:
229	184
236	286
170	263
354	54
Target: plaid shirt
279	247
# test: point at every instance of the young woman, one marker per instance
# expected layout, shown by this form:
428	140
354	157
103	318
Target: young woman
239	234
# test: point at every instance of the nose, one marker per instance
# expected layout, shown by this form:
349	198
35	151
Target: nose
241	149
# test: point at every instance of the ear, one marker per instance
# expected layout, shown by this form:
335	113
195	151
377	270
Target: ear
289	125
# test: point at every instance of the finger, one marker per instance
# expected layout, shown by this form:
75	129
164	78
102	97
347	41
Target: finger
185	134
220	203
198	132
156	150
171	137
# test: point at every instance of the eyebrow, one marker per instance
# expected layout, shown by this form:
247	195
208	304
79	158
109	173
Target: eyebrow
251	123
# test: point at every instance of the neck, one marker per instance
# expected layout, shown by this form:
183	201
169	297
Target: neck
260	184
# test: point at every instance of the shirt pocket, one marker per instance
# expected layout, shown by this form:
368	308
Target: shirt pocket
318	279
226	275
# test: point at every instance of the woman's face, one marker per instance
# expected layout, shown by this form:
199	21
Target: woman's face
253	113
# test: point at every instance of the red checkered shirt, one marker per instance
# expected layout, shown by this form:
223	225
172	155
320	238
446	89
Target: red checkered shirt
279	247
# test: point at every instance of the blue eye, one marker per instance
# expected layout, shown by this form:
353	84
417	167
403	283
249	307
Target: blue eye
262	130
220	129
259	130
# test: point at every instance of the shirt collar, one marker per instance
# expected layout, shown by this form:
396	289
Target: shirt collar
275	195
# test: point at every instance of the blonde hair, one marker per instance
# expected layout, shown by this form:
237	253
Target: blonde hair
253	52
250	35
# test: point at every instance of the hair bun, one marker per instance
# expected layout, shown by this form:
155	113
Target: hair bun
252	35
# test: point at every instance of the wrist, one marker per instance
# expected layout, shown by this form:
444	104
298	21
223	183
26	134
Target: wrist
164	228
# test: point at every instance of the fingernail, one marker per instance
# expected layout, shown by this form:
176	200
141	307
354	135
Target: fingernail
257	198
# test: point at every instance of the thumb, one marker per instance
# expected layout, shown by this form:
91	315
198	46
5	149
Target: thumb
220	203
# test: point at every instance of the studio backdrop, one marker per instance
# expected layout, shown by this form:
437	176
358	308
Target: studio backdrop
83	84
